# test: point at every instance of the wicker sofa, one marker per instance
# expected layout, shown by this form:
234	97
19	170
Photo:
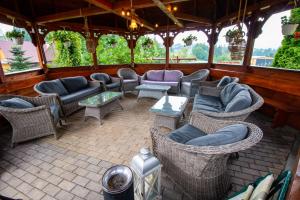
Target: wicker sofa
37	120
233	102
68	91
163	77
200	171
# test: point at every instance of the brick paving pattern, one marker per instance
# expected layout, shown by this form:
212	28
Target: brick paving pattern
72	166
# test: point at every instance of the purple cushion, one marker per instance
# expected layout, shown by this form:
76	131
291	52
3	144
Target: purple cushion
155	75
172	75
175	84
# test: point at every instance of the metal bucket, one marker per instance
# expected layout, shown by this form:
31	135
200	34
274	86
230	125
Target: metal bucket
117	183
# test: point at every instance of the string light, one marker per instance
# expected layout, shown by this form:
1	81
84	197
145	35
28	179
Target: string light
123	12
175	8
156	25
128	13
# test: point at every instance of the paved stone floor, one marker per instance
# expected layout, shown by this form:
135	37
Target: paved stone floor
72	166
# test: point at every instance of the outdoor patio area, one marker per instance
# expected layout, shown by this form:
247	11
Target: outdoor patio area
72	166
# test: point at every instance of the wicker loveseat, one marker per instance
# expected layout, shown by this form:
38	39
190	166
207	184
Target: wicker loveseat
214	102
33	122
201	171
163	77
68	91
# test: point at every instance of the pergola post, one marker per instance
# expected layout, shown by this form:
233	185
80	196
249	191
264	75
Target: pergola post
167	45
2	75
131	50
94	53
212	41
40	50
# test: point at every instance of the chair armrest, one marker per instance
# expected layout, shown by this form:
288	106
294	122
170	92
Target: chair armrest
210	91
44	100
95	83
143	77
115	79
24	110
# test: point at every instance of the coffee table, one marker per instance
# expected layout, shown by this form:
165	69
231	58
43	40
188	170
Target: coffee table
101	104
168	111
152	91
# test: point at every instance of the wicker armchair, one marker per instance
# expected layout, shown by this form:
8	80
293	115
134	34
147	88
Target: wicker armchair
257	102
129	79
33	122
201	172
190	83
107	82
220	83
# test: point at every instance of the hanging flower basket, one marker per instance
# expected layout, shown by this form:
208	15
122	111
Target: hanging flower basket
188	41
90	45
16	36
287	27
148	43
237	49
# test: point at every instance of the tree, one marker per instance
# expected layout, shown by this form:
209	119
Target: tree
200	51
288	55
18	62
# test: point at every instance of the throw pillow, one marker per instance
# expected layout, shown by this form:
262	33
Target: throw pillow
16	103
262	189
185	133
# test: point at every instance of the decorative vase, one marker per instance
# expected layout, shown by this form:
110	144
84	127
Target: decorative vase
237	49
18	40
288	29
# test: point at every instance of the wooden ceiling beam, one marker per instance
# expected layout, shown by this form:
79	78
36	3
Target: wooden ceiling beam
109	7
13	14
163	8
83	12
192	18
138	4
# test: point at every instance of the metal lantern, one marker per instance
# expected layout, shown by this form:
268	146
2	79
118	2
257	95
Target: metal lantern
146	171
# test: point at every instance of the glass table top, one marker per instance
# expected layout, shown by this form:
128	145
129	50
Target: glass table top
100	99
170	106
153	87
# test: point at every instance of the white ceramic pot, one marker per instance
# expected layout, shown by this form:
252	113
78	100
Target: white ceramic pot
288	29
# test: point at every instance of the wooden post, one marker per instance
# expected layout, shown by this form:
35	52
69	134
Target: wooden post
249	45
94	54
131	50
2	75
167	45
40	49
212	41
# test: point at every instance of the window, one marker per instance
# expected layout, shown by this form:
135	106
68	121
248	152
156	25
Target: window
66	49
150	49
230	51
189	47
272	49
17	55
112	49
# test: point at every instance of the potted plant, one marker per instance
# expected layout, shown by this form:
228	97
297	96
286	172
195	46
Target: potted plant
287	27
235	35
147	43
67	43
237	43
112	41
17	36
188	41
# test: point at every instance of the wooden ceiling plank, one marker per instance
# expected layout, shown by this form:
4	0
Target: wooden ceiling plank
192	18
163	8
138	4
10	13
84	12
103	4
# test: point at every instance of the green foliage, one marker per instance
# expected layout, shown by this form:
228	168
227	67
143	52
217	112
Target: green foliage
74	54
288	55
143	53
112	54
18	62
189	40
221	54
15	33
200	51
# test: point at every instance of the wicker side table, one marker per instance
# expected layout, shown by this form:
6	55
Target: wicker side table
100	105
168	111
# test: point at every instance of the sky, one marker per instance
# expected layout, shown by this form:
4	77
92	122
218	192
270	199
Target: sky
271	36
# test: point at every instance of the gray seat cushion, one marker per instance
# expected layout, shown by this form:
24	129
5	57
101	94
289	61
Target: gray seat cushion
74	84
241	101
227	135
55	112
77	96
225	80
16	103
185	133
102	77
174	84
113	85
200	107
206	100
54	86
229	92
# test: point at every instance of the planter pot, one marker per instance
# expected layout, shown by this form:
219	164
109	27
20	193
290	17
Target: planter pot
289	29
90	46
189	42
228	39
18	40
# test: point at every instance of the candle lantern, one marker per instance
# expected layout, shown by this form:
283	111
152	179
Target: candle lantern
146	171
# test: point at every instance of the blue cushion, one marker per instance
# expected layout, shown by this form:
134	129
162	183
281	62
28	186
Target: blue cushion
240	102
77	96
55	112
207	108
16	103
229	92
185	133
227	135
54	86
211	101
74	84
113	85
224	81
101	77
